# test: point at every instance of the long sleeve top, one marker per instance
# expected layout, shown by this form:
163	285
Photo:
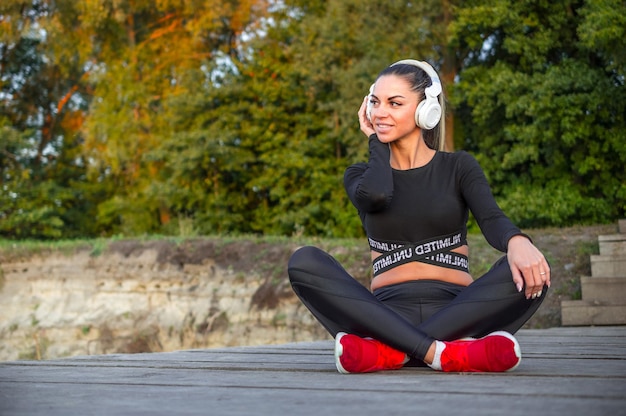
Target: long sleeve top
400	207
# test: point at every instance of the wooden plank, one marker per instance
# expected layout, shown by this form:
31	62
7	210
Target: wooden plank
255	400
574	371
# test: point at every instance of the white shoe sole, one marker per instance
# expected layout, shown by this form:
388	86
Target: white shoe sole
339	353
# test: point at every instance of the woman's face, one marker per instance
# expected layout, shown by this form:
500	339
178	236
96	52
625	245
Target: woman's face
393	105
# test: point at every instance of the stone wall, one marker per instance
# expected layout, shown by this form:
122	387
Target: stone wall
140	296
147	299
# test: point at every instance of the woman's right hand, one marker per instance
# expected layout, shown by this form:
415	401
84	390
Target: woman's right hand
529	267
366	126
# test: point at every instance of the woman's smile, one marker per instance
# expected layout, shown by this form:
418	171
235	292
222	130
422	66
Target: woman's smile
382	128
393	105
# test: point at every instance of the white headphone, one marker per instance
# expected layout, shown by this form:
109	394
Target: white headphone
428	111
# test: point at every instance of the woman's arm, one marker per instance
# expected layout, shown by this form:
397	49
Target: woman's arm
529	267
370	186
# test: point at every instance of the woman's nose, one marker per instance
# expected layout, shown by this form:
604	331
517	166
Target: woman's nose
380	111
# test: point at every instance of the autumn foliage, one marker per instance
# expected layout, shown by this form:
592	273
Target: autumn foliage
137	117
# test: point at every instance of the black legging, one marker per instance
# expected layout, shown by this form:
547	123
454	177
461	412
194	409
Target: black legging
408	316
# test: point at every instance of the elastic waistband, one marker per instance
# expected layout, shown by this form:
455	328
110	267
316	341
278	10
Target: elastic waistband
436	251
421	287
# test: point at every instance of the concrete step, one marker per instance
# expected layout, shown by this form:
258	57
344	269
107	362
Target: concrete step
612	245
608	290
608	266
582	312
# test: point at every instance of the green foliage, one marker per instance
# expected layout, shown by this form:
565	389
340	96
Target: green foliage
603	29
263	148
543	113
41	168
190	118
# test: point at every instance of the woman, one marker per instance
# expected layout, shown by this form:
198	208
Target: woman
413	199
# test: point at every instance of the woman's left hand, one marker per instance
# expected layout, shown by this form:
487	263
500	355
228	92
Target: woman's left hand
529	266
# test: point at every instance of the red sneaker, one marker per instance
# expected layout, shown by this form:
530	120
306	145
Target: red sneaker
496	352
354	354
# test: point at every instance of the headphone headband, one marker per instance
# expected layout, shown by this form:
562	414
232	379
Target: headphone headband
435	88
428	113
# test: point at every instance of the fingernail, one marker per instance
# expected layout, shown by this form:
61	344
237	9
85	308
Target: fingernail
519	287
539	293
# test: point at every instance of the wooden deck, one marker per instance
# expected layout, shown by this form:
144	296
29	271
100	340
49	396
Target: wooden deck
565	371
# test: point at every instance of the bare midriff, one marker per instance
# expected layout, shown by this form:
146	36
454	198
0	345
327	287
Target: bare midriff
421	271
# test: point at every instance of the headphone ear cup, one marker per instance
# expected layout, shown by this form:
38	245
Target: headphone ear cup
428	113
368	108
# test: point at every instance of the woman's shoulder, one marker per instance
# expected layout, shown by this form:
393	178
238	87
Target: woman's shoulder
459	157
456	155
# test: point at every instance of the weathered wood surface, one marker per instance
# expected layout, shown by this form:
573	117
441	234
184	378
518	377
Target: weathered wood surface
565	371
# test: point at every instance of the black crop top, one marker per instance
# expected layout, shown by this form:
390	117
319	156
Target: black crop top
421	214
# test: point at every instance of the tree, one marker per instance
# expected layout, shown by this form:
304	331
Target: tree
240	116
542	111
39	137
143	52
281	127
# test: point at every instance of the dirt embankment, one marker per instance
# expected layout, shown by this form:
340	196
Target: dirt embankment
141	296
